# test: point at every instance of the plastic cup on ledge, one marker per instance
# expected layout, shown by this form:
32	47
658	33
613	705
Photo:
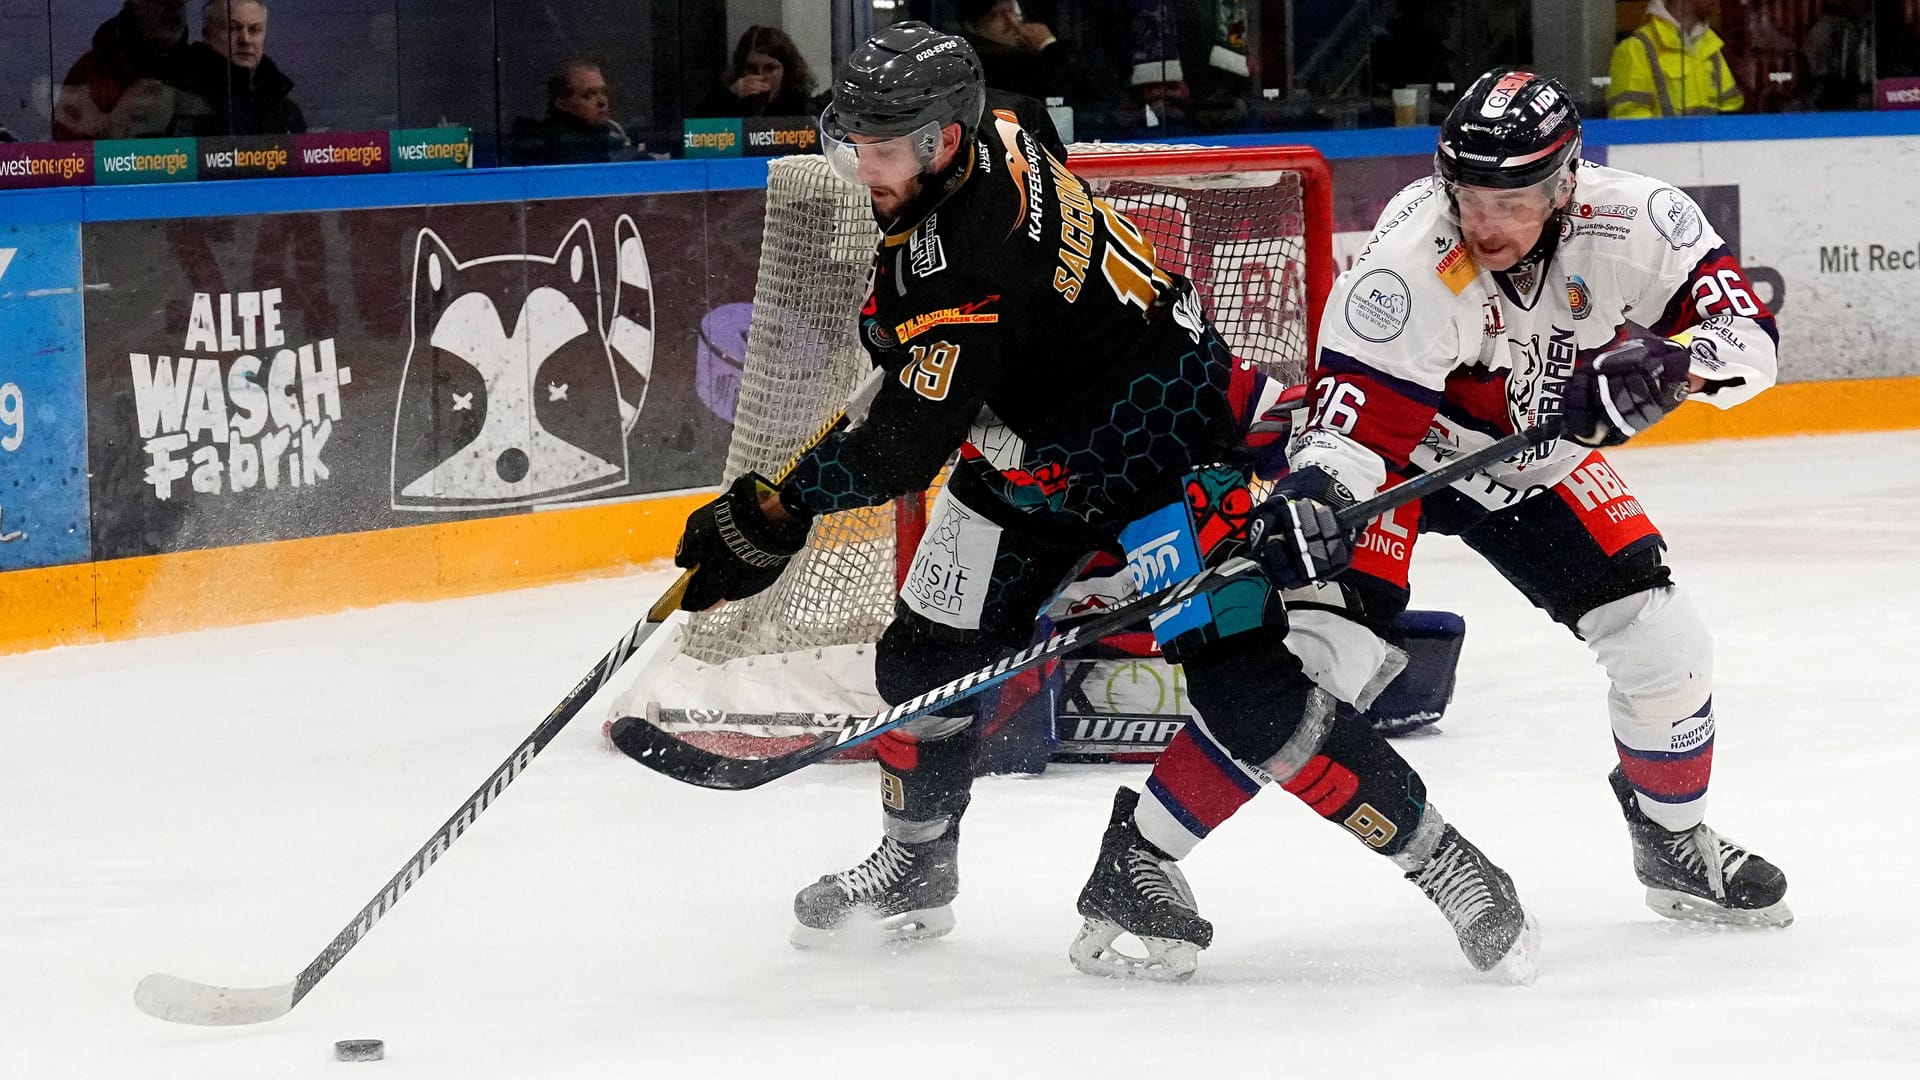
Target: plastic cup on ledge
1406	101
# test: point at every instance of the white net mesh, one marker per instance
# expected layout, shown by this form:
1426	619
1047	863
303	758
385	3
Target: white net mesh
1239	234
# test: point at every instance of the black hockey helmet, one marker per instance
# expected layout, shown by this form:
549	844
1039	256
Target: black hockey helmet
1512	129
905	77
892	99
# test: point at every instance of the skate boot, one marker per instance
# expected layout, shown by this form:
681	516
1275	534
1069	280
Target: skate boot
1477	897
1136	889
901	893
1698	874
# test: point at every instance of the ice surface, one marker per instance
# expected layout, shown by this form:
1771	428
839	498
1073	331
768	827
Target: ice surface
217	805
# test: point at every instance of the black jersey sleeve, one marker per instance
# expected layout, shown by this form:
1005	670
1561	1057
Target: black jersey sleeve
943	358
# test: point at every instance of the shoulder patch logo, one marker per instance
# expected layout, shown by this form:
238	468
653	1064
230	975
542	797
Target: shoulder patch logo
1457	269
1577	297
1378	305
1675	217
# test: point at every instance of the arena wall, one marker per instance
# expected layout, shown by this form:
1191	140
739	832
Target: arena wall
220	402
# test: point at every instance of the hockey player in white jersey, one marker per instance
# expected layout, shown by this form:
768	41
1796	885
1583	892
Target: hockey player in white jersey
1516	285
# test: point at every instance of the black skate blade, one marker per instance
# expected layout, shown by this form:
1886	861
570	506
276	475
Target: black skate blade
1685	907
1166	959
859	933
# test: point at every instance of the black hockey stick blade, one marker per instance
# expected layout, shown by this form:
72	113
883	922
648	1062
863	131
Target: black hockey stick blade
662	752
642	739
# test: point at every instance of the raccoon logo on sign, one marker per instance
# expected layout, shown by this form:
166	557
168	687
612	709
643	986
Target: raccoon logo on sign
515	391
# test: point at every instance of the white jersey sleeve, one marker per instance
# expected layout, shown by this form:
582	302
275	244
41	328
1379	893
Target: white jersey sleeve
1424	354
1680	280
1390	336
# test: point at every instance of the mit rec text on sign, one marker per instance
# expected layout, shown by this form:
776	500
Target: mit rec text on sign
1845	258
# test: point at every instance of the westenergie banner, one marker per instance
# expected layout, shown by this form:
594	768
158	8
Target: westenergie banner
146	161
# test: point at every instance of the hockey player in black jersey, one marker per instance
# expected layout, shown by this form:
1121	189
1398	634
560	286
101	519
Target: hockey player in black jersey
1026	324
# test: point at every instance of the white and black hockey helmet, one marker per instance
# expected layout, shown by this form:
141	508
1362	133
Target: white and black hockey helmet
1512	129
897	93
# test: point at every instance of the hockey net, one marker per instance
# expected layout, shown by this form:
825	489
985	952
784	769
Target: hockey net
1252	227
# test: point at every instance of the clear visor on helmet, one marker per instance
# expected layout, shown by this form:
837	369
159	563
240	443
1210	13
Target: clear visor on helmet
1522	205
878	161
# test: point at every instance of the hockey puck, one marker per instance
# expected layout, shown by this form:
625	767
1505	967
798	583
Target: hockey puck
359	1050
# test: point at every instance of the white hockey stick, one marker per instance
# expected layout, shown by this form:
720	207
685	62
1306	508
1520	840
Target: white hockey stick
185	1001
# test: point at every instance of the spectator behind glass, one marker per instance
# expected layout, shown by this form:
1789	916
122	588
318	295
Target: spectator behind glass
768	77
578	129
1672	65
231	86
1020	56
122	87
1838	48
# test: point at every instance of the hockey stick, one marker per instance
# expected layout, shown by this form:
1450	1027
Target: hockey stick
646	742
184	1001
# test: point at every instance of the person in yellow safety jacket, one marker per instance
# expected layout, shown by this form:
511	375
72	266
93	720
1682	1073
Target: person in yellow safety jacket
1672	66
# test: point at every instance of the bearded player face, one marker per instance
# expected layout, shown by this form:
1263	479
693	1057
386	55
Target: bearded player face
893	170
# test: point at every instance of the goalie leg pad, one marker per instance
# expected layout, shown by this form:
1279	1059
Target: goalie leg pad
1419	694
1658	654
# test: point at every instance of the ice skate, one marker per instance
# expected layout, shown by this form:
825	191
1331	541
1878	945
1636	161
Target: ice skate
901	893
1699	875
1137	890
1478	898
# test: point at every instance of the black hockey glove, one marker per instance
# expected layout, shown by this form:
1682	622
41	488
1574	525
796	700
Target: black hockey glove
737	549
1293	535
1625	390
